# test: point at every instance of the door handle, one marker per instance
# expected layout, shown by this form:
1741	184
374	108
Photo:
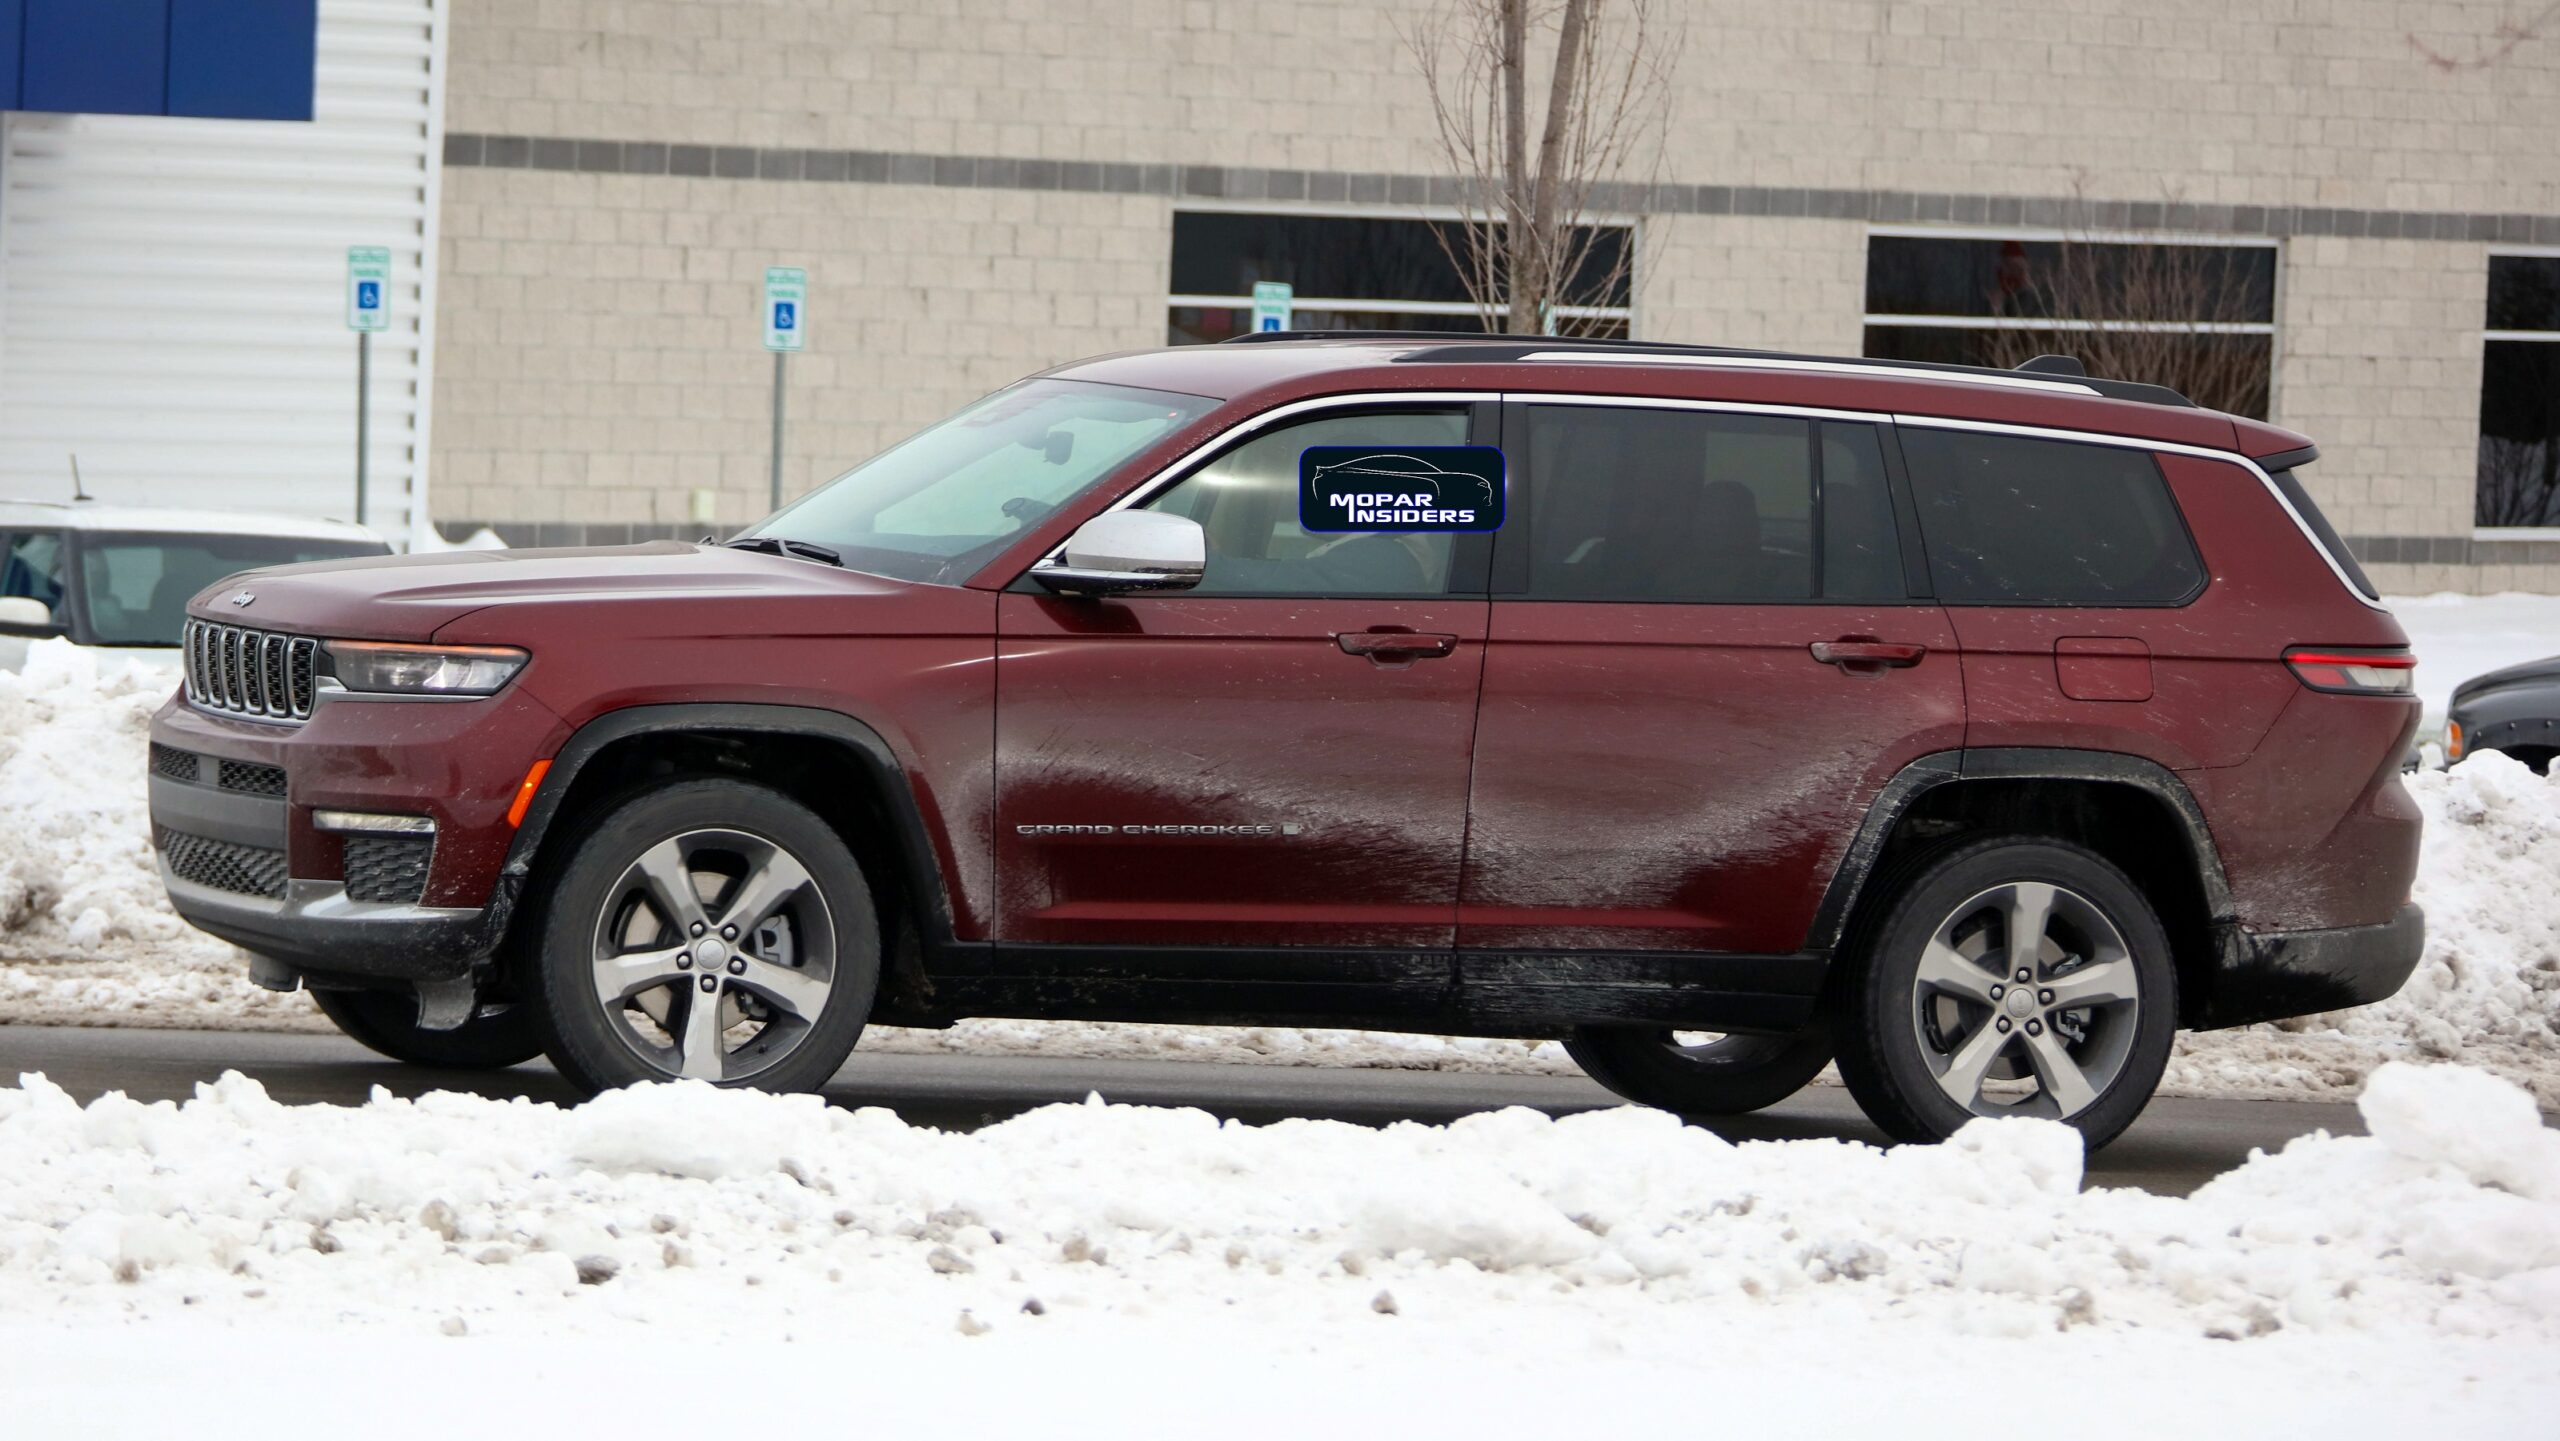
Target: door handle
1846	653
1386	646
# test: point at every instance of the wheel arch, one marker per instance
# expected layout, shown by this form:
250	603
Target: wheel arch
2134	812
863	791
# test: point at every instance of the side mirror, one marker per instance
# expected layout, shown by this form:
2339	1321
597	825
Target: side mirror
1121	551
25	615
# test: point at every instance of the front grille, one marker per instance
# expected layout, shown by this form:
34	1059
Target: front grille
224	865
388	868
173	763
251	778
261	673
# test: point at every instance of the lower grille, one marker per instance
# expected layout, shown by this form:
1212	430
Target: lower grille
250	778
388	868
173	763
224	865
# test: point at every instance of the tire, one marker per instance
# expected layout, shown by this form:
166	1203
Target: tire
2094	1066
387	1022
1724	1076
717	884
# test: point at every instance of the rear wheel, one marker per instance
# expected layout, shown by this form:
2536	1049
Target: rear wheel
387	1022
2008	977
1694	1073
710	930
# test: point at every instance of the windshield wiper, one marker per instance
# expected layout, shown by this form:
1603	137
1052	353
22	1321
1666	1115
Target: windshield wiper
780	545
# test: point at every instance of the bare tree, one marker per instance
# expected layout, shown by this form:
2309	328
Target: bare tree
2161	313
2509	35
1531	178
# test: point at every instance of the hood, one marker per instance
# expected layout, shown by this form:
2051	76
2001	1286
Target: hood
412	597
2532	672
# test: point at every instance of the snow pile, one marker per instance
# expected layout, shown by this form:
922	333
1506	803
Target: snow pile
85	931
756	1217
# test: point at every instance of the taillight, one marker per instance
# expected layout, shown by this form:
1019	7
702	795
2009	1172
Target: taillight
2354	672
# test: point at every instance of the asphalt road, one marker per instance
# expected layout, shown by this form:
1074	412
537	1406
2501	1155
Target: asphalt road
2175	1147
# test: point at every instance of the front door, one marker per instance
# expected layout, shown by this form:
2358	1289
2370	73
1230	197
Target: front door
1277	758
1706	660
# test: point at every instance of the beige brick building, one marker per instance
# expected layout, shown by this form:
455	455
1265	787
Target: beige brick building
981	190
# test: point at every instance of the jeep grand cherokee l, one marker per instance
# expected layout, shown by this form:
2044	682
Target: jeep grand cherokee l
1982	728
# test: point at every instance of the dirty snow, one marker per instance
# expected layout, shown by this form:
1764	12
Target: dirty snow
1081	1269
86	937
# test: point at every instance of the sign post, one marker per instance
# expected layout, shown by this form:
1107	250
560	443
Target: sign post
368	310
1272	300
786	329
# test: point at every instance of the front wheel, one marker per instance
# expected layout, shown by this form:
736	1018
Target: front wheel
1696	1074
2008	977
710	930
386	1022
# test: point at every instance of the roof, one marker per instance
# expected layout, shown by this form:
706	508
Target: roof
162	520
1271	369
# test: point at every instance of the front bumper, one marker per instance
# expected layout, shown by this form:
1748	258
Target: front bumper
314	933
2270	975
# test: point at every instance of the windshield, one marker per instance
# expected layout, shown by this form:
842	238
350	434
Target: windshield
937	506
137	586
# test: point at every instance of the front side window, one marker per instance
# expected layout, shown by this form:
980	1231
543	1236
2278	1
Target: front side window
137	586
941	504
1650	504
2519	469
2012	520
1246	502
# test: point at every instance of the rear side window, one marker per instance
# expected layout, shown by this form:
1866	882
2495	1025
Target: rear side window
1647	504
2322	531
2012	520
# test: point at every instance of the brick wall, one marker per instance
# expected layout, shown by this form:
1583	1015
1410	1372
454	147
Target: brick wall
599	357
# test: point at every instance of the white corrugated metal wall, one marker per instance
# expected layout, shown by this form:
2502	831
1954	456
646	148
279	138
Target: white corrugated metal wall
172	299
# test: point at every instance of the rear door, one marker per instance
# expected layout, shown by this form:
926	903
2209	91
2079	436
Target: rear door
1710	650
1277	758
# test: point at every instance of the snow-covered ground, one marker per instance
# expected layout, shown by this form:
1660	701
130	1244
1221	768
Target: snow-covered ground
86	937
677	1254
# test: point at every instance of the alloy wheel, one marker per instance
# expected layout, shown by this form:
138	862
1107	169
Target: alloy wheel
2026	1001
714	955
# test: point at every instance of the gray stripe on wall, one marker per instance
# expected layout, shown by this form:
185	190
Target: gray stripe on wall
1228	182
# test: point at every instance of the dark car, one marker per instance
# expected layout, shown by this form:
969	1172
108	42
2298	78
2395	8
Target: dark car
2516	710
1981	727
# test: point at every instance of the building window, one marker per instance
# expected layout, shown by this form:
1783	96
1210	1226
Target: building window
1357	272
2197	318
2520	394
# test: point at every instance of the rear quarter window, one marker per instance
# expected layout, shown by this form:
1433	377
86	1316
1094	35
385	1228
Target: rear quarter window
2016	520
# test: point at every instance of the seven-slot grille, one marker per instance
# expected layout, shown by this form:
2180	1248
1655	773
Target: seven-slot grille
247	672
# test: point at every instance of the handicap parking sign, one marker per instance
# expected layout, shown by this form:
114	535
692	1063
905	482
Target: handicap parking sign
368	295
368	288
786	291
786	316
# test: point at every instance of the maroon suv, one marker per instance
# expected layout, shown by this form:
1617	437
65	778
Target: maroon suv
1979	727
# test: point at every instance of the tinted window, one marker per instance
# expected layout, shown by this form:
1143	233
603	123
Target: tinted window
1642	504
1247	502
2010	520
1861	549
137	586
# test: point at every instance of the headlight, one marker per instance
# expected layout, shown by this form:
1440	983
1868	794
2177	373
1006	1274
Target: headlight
385	667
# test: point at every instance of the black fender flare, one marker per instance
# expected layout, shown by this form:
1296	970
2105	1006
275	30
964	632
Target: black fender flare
922	876
1857	867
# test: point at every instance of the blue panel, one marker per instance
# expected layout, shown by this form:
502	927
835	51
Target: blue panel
13	25
109	56
242	59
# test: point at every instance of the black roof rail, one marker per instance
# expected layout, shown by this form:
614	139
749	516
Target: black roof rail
1457	347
